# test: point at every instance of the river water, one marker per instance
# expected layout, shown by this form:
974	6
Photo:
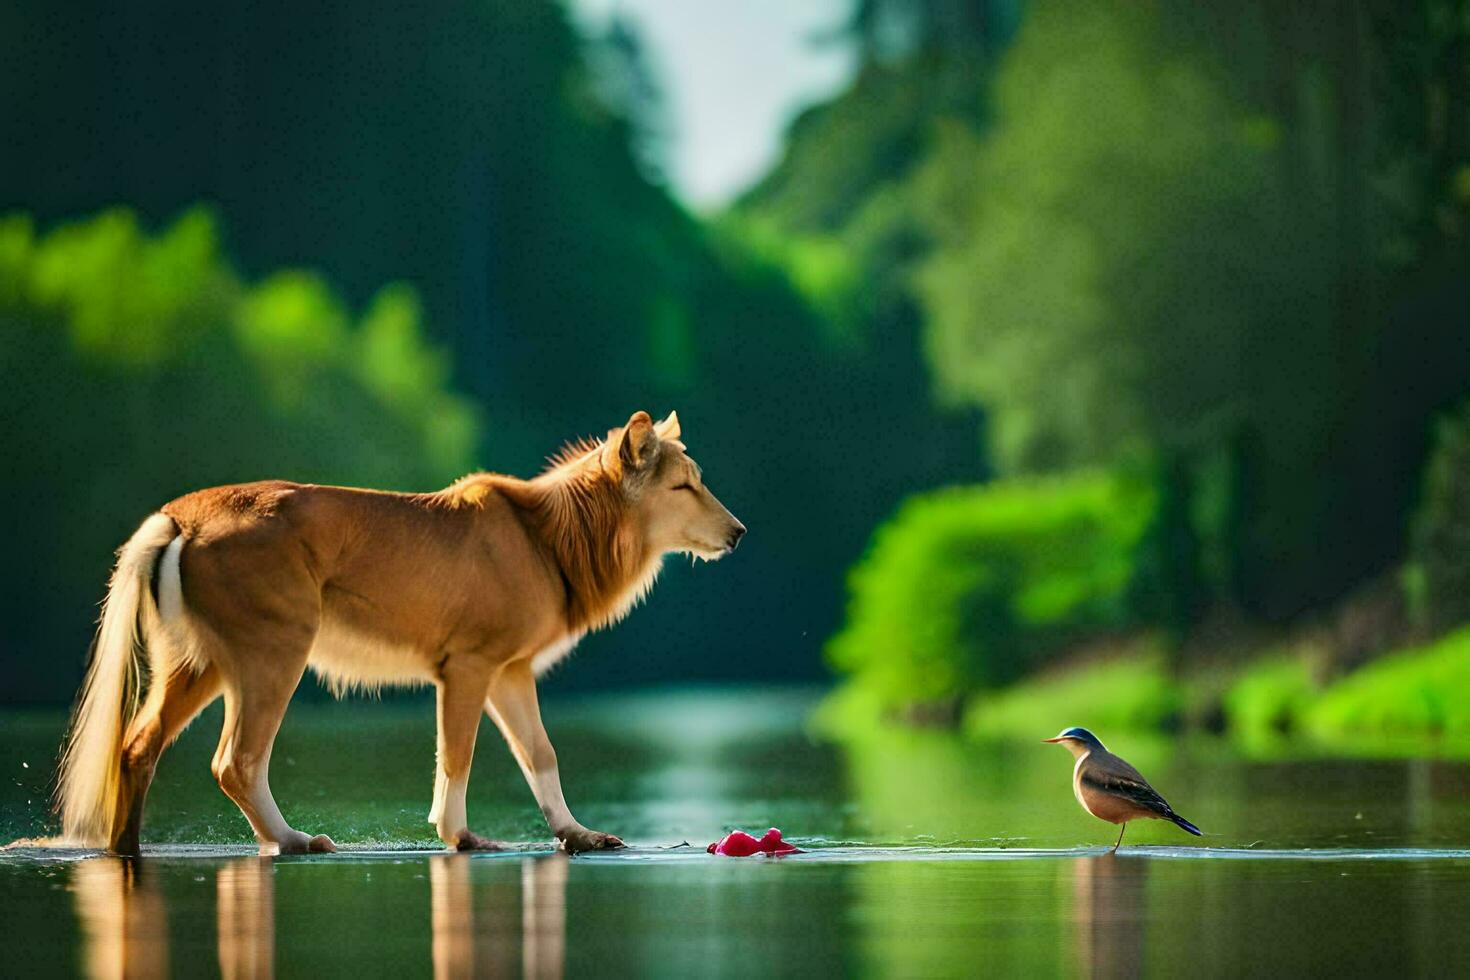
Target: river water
927	855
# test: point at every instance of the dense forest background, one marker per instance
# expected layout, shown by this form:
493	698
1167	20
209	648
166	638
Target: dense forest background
305	187
1205	269
1168	299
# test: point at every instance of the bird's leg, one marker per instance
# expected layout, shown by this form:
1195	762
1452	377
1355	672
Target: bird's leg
1120	838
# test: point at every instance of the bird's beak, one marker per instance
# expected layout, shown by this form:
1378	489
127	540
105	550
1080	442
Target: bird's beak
1057	739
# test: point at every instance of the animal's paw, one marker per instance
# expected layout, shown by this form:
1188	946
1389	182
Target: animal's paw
580	839
474	842
298	843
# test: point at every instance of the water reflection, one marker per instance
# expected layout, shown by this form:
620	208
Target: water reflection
452	905
544	916
245	910
1109	911
474	930
679	916
490	925
123	917
187	908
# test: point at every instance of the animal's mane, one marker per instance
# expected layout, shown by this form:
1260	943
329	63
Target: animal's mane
580	516
469	490
573	451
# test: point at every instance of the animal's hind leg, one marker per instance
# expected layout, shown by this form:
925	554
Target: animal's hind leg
184	694
254	707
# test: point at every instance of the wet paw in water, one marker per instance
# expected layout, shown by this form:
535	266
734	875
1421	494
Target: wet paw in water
474	842
300	843
581	839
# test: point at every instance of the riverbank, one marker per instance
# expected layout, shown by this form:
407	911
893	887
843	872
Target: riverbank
1283	700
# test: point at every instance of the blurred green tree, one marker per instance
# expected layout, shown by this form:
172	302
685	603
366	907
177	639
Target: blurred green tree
1149	249
1228	240
970	588
140	366
1439	567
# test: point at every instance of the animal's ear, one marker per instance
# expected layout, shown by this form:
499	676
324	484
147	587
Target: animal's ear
669	427
632	447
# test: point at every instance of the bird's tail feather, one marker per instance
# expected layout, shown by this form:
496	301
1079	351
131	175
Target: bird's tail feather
1186	825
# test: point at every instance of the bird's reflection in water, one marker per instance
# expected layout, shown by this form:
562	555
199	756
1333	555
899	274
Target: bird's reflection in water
123	918
245	894
475	930
1109	897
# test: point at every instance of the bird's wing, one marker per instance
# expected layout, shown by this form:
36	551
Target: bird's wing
1113	775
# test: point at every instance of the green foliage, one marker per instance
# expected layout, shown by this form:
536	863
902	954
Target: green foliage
1439	573
124	298
1269	696
821	267
1414	692
969	587
140	366
1132	692
1146	233
1148	244
1149	217
880	126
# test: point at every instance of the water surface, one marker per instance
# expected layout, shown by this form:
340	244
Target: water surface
928	856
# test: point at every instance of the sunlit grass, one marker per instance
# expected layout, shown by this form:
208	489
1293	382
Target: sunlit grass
1268	697
1129	692
1410	703
1420	692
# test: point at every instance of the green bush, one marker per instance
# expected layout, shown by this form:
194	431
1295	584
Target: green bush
1133	692
139	366
969	587
1439	569
1418	692
1269	697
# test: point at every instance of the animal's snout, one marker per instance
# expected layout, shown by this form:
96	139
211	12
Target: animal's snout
735	535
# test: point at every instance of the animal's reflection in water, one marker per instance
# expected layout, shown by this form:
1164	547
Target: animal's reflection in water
123	917
476	931
1110	905
245	910
471	941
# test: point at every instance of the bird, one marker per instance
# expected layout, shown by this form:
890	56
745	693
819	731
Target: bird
1112	790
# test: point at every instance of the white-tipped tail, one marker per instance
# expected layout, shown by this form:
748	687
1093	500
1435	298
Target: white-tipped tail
91	764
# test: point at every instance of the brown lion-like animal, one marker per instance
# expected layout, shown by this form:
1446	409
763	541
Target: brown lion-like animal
476	589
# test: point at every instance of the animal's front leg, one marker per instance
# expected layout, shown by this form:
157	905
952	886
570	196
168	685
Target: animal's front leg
461	693
513	706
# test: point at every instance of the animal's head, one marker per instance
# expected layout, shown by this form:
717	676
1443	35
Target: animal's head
1077	740
666	490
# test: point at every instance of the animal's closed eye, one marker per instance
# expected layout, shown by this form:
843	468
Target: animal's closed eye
684	486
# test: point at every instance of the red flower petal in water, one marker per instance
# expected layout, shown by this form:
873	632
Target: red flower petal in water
738	843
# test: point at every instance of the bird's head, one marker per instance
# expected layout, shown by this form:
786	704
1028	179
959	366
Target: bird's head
1077	740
